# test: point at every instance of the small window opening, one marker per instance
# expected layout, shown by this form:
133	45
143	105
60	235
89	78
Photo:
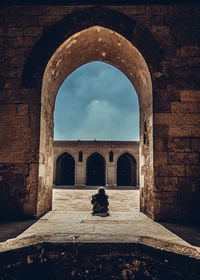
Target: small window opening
111	157
145	133
80	157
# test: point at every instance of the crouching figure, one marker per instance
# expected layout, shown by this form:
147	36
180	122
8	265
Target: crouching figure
100	203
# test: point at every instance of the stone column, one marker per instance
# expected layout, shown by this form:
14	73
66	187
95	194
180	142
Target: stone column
80	174
111	179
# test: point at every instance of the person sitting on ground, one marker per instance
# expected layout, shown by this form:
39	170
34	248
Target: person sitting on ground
100	203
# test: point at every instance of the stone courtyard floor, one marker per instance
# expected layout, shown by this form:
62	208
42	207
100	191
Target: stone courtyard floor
71	221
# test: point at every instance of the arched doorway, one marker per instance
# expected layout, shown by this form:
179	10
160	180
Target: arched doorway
65	169
95	170
93	44
126	170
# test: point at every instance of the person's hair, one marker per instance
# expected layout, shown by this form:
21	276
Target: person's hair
101	190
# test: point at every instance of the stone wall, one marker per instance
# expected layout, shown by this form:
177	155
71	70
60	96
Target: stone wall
167	36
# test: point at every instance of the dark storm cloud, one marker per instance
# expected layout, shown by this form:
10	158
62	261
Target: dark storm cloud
96	101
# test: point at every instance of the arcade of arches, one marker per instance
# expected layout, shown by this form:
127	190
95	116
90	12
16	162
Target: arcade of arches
103	163
155	46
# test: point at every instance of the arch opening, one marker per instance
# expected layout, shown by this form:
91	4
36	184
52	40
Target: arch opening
65	170
97	44
126	170
96	94
95	170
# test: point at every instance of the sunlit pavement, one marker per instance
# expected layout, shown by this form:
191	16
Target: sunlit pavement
80	199
71	221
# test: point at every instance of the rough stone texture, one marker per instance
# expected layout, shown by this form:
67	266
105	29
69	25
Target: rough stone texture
99	261
167	37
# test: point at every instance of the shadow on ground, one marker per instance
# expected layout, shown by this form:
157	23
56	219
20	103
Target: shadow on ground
12	229
188	232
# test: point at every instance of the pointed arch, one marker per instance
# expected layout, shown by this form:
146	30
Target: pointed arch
65	170
93	44
95	170
126	170
63	29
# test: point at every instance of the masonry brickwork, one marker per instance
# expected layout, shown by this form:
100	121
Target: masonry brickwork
167	36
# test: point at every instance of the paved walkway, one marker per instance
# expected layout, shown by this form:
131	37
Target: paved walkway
80	199
70	220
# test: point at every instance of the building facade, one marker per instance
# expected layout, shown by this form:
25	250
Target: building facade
157	46
92	163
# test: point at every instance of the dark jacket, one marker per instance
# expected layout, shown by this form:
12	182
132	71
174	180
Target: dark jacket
100	202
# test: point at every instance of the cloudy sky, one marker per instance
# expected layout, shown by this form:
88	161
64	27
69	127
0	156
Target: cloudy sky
97	101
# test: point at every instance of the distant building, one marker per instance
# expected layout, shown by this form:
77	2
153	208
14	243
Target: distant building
96	163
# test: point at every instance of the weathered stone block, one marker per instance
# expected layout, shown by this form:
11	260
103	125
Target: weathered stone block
24	20
193	170
162	34
33	31
185	72
21	169
185	10
160	144
183	158
185	107
189	61
22	110
13	157
179	144
23	133
195	144
188	51
166	183
181	84
5	108
183	131
169	170
174	119
58	10
137	10
7	134
195	184
7	20
17	52
190	95
157	9
160	158
162	101
11	32
167	196
25	41
188	124
157	20
48	20
11	83
161	130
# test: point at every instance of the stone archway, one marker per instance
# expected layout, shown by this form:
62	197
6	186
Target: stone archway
93	44
95	167
126	170
65	170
